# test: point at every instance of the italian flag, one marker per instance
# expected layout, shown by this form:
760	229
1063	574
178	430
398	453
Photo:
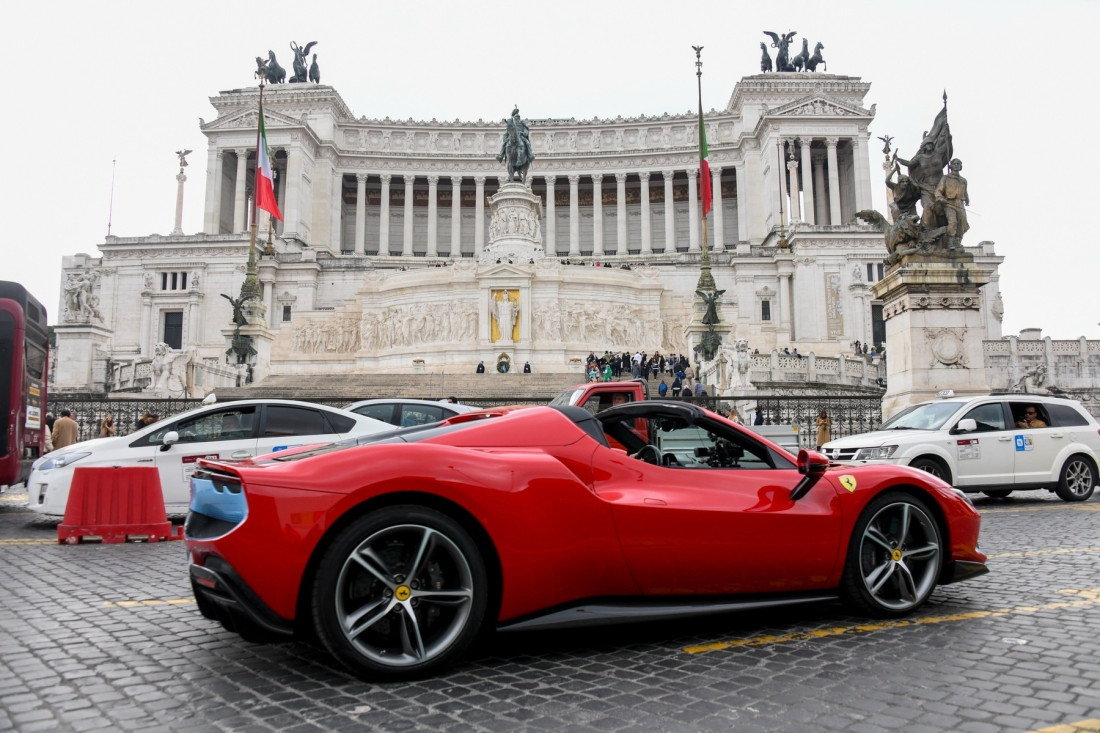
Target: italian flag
265	182
705	194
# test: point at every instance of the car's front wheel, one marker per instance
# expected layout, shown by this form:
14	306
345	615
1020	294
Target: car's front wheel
400	592
1078	479
932	466
894	556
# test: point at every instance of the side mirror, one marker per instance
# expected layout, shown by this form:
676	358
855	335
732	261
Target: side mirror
812	465
170	439
966	425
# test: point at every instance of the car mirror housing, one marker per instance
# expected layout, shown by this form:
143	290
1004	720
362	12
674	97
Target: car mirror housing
966	425
812	465
170	439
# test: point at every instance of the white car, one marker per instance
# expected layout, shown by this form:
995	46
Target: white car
994	444
406	412
233	430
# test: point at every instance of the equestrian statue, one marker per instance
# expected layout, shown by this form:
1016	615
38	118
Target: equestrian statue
515	147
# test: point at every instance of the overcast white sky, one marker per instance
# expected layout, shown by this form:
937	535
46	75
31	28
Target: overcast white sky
93	83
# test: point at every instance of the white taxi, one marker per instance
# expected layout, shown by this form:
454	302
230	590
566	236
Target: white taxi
232	430
995	444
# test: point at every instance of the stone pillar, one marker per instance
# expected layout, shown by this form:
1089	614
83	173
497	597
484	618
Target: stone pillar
742	216
597	215
670	212
336	209
407	238
807	168
212	212
574	215
693	210
551	218
796	206
821	206
647	234
433	216
293	186
621	247
718	245
146	335
860	161
456	216
785	300
479	215
384	216
834	181
240	208
181	178
360	213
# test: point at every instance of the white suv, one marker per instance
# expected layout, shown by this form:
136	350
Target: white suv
995	444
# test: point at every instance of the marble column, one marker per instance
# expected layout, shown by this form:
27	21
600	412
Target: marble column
821	206
293	187
240	208
718	245
693	210
433	216
742	217
785	300
621	247
384	216
456	216
336	218
808	181
407	238
551	218
212	218
360	212
796	205
479	214
670	212
597	215
862	174
574	215
784	198
834	181
647	234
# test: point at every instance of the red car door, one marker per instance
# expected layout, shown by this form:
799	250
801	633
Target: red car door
697	529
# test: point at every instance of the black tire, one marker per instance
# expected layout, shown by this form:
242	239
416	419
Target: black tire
419	580
932	466
894	557
997	493
1077	480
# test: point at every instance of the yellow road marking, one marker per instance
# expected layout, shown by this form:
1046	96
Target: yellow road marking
1093	724
135	604
1040	553
1086	597
27	542
1089	507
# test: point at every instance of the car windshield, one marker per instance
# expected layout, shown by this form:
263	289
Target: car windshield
927	416
566	398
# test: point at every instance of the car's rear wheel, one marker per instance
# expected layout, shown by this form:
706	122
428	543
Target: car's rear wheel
997	493
1078	479
894	556
932	466
400	592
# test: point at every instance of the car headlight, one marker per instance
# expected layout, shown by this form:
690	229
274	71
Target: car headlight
875	454
52	462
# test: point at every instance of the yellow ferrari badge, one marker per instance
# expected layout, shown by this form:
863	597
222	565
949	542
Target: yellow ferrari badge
848	482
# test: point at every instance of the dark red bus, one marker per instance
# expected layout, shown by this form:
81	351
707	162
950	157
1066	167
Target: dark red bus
24	354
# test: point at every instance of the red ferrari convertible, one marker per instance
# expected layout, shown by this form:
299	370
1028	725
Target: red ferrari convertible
395	550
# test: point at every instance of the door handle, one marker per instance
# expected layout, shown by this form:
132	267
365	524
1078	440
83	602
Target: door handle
240	455
1005	438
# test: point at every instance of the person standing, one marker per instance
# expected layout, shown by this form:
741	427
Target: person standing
758	417
480	367
823	425
65	430
107	427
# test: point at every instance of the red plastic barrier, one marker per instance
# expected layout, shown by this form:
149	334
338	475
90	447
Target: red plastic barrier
115	505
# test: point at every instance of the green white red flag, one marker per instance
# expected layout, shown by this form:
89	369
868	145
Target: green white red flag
265	181
706	196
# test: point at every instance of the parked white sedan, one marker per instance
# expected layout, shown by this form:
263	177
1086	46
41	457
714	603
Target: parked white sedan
233	430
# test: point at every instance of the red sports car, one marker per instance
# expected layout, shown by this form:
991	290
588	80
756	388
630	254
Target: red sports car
396	549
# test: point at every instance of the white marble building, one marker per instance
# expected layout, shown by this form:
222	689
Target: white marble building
380	259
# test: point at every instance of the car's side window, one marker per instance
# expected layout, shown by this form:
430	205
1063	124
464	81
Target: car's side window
285	420
1025	414
231	424
988	417
378	412
420	415
1065	416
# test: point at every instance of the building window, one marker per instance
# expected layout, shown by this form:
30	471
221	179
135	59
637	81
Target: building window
765	310
870	272
880	268
173	329
173	281
286	313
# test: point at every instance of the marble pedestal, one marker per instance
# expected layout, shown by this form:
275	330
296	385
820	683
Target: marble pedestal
515	232
73	364
934	330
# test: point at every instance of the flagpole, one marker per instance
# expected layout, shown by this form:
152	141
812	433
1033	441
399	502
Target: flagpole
706	279
251	287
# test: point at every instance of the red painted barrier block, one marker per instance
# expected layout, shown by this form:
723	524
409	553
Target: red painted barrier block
115	504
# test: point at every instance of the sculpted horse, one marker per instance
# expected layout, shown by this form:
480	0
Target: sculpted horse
515	153
274	73
765	59
799	61
813	61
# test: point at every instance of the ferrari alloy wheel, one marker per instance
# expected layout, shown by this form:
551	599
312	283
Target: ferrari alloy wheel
400	592
895	556
1078	479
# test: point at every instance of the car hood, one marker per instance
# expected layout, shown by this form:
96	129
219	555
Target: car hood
86	445
873	439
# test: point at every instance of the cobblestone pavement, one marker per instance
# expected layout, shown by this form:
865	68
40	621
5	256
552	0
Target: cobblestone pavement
107	637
